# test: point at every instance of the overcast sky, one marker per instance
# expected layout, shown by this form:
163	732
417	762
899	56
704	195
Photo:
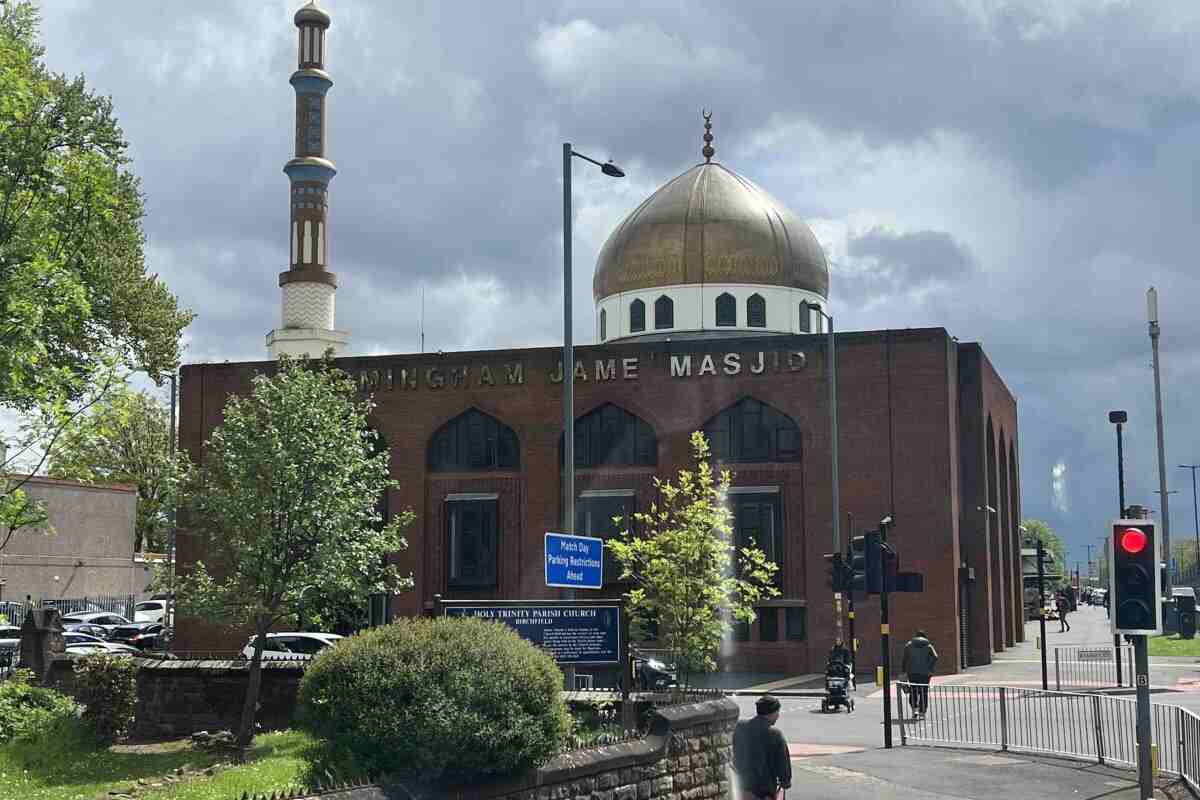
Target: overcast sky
1017	172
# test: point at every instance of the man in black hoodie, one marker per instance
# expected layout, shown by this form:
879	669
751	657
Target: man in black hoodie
920	661
760	753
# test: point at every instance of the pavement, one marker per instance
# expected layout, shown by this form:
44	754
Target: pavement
926	773
840	755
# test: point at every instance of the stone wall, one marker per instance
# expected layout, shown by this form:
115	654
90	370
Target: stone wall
685	756
178	698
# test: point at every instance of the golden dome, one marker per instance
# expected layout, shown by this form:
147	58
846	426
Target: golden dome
709	226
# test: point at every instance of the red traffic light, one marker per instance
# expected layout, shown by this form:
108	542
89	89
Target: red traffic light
1133	540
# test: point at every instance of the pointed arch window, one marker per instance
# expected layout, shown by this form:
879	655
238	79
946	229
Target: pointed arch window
752	431
664	313
603	324
726	310
610	436
637	316
756	311
473	442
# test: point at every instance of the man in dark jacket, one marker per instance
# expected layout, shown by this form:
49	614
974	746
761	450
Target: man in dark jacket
760	754
920	661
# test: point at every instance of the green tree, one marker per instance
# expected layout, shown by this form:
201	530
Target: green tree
286	499
688	576
75	295
125	438
1035	529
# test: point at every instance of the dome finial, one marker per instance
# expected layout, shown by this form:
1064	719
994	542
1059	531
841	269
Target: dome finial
708	152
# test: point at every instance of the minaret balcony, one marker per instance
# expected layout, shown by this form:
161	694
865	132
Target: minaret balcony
310	168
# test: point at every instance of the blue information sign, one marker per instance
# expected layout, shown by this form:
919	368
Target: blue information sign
573	634
574	562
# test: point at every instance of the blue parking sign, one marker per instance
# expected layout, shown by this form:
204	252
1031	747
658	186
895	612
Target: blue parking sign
574	562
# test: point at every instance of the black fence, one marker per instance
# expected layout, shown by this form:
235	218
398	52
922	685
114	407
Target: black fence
1088	668
1093	727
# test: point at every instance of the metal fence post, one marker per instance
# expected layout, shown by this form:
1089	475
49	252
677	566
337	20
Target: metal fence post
1099	728
900	713
1057	677
1179	736
1004	718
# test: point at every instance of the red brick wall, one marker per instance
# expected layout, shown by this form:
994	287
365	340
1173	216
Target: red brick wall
899	409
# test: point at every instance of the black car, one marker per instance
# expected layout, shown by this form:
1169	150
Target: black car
142	635
651	674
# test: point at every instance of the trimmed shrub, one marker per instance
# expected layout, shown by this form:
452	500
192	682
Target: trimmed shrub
107	687
437	699
26	709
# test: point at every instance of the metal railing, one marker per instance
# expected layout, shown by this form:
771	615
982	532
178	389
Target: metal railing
16	611
1095	667
1085	726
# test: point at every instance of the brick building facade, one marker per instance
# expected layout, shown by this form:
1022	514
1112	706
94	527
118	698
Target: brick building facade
927	434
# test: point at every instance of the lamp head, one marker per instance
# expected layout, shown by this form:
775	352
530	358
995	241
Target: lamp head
1117	417
1152	304
612	170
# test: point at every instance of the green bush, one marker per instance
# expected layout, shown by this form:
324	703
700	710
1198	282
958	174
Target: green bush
449	699
107	687
26	709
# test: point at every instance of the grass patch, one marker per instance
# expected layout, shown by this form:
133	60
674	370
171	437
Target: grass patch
1173	646
70	766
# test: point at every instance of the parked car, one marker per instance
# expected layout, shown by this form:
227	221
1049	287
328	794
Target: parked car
291	646
10	638
651	674
104	619
141	635
86	627
90	648
149	611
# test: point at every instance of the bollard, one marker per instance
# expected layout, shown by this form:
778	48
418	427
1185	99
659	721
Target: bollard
1154	761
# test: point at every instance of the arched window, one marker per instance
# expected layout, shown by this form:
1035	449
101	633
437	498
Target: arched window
805	317
610	436
756	311
726	310
637	316
664	313
751	430
473	441
603	324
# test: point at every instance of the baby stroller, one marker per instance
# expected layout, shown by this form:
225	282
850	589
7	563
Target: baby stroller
837	687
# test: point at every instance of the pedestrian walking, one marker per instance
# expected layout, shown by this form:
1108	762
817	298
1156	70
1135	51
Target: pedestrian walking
920	662
1064	605
760	754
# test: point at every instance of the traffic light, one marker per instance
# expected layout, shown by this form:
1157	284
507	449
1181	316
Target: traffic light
874	558
840	577
1135	578
866	564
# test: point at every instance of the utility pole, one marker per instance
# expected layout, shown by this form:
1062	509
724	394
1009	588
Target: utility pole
1195	515
169	617
1152	318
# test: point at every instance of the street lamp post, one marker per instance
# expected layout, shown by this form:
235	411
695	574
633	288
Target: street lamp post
1152	318
1117	418
831	367
568	365
1195	511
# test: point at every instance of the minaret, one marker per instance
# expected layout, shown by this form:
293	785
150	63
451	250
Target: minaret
308	286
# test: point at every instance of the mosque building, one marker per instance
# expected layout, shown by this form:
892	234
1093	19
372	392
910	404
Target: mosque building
710	303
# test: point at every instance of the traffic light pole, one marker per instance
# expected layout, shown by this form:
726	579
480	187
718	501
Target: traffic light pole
1120	515
1041	565
1142	664
885	649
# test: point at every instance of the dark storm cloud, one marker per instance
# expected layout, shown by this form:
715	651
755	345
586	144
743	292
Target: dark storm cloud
1016	171
897	262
